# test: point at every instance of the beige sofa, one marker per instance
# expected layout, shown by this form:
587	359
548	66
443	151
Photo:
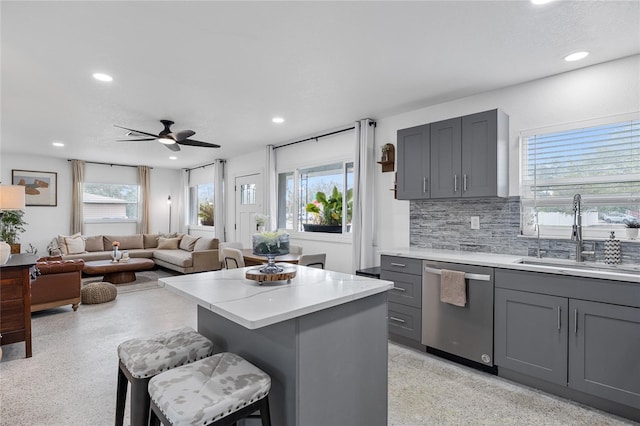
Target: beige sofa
179	252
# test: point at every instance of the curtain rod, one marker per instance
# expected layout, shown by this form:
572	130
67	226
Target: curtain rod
110	164
371	123
315	137
203	166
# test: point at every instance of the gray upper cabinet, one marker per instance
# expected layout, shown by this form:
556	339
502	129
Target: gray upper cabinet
446	151
413	163
485	146
459	157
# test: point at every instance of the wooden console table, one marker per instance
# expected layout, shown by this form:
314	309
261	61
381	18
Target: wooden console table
15	300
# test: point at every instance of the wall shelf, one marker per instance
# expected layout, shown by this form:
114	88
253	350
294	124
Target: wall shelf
388	160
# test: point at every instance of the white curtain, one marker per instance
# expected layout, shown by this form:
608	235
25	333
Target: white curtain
219	204
362	222
271	186
77	176
180	205
145	193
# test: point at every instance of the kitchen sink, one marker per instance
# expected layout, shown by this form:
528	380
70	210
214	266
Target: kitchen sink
572	264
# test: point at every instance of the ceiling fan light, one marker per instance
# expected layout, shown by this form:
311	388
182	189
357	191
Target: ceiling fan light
166	141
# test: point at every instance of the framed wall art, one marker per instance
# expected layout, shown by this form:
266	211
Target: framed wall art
41	188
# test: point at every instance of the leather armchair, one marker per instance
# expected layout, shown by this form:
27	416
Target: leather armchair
57	284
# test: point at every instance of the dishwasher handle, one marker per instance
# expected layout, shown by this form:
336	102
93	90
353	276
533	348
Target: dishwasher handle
467	276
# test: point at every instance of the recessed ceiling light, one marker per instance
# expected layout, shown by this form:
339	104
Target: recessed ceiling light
173	158
277	120
576	56
541	1
102	77
59	144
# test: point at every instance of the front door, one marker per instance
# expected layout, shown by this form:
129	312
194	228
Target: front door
249	201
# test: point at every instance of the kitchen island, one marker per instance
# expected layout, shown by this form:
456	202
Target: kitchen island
322	338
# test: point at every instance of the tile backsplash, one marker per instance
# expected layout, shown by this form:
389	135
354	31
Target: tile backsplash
445	224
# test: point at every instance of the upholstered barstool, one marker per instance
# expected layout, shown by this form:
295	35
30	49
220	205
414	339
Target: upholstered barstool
218	390
143	358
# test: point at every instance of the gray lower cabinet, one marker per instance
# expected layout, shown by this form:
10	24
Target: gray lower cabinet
604	350
545	329
405	299
531	334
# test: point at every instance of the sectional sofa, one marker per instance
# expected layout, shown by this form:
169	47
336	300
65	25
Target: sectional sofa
179	252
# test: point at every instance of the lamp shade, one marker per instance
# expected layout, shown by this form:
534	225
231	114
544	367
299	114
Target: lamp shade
12	197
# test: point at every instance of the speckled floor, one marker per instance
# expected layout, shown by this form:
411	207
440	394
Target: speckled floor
71	378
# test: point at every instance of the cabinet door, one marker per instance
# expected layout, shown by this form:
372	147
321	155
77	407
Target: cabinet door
479	154
531	334
604	351
446	150
413	163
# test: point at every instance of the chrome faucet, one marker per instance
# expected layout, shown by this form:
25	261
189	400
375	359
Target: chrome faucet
576	233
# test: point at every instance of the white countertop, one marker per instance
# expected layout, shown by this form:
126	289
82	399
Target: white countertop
229	294
630	273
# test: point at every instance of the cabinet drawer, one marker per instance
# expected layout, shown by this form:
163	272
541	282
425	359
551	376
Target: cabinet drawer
407	288
404	321
11	287
12	317
401	264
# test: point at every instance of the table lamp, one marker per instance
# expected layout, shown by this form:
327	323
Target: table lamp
11	198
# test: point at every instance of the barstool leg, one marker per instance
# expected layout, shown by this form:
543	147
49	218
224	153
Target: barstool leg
139	402
121	397
265	416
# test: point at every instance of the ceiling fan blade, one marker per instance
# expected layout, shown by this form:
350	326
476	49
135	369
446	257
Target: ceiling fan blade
172	146
136	140
137	131
192	142
181	135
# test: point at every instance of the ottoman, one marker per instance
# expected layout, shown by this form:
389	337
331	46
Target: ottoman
100	292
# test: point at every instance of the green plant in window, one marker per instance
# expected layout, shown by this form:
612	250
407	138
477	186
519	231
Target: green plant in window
205	213
328	210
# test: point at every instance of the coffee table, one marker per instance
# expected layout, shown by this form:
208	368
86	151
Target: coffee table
117	272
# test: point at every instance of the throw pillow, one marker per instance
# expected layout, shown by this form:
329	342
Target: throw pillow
74	245
94	243
188	242
168	243
61	243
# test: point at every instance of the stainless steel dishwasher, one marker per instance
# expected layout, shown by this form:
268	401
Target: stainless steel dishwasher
466	331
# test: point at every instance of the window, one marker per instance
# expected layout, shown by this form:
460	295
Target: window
201	205
298	189
110	202
600	162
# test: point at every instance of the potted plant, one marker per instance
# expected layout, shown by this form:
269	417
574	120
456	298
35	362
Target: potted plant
632	229
12	225
327	211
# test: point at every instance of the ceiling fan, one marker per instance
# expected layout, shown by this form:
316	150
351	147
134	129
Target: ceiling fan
167	137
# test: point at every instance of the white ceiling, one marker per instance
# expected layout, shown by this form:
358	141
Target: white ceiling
224	69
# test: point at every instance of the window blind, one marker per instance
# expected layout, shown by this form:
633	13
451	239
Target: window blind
602	163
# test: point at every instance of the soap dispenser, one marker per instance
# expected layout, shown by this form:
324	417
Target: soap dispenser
612	250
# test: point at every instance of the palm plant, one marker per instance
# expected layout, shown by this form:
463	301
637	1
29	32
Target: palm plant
328	210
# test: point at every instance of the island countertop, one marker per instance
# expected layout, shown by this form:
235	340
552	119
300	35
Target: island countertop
228	293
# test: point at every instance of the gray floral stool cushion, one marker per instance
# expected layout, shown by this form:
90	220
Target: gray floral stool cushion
143	358
209	390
